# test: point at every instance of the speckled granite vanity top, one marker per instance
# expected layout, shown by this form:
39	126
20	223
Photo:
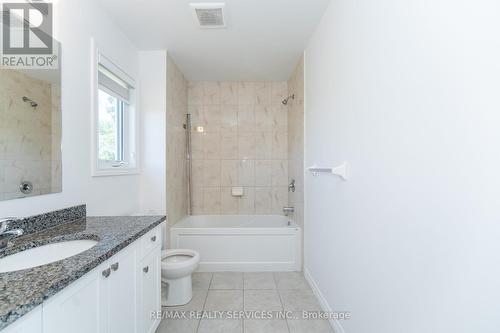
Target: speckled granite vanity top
21	291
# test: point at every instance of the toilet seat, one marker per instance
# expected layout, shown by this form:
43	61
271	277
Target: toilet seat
179	258
176	263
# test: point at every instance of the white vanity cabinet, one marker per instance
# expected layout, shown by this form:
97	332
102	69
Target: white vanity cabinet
118	296
149	282
118	292
77	308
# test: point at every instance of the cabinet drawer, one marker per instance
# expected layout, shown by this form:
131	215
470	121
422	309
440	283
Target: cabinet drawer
150	241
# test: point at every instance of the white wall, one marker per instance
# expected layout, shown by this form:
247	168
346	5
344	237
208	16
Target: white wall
75	23
153	81
408	93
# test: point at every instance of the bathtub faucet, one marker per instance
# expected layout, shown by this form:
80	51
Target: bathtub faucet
288	210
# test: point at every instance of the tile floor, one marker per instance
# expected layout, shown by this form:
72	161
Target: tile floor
283	291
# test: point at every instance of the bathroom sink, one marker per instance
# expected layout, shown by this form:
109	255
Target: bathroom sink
45	254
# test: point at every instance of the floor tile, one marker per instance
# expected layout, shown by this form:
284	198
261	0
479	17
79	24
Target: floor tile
201	280
290	280
178	326
262	300
258	281
299	300
265	326
227	280
309	326
220	326
196	303
224	300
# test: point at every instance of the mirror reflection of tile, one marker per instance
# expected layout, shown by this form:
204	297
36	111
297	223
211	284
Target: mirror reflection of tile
30	134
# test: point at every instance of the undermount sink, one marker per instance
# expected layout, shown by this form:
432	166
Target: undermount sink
45	254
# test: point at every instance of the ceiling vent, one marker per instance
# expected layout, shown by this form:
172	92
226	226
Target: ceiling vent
209	15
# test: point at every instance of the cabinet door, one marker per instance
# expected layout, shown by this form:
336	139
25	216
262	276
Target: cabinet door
75	309
119	289
149	291
29	323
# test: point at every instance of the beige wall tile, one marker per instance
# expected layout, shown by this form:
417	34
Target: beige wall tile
278	92
197	200
229	93
246	118
212	203
229	172
230	204
263	145
279	173
212	173
212	117
279	145
246	93
296	141
264	118
263	92
212	146
197	145
229	146
263	200
247	202
195	93
178	93
198	172
279	199
211	93
229	118
245	143
263	172
246	173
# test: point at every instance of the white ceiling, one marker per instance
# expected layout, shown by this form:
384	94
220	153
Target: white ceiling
263	41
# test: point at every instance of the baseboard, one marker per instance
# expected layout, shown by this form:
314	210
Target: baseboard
248	267
337	328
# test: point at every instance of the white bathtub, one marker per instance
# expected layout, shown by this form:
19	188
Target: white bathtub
243	243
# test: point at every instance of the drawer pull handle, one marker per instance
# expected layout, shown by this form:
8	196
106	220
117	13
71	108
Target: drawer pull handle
115	266
145	269
153	239
106	272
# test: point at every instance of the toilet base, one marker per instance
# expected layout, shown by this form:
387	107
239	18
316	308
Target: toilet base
180	291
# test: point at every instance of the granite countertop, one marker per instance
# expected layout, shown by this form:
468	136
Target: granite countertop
21	291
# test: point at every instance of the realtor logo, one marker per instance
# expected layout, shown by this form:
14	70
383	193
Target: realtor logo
27	36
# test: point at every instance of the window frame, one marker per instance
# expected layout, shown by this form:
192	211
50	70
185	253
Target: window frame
130	163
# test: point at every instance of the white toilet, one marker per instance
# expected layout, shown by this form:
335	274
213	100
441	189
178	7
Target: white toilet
177	265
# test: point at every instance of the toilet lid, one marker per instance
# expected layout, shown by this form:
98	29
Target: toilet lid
176	258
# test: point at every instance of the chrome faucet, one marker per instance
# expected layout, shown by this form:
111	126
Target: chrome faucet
288	210
7	235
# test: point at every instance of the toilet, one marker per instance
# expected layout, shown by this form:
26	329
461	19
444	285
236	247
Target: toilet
177	265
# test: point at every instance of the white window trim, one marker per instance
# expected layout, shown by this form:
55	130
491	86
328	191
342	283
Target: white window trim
96	169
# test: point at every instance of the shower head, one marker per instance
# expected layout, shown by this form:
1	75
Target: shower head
30	101
285	101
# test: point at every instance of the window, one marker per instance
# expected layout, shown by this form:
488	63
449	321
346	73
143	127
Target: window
114	125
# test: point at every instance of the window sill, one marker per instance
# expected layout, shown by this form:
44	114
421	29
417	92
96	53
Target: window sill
114	172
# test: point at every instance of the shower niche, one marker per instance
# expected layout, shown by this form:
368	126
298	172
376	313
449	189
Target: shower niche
30	132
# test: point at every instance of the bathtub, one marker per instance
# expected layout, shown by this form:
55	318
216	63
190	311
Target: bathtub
242	243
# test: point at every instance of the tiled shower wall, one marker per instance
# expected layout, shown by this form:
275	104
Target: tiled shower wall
296	140
30	138
240	138
176	143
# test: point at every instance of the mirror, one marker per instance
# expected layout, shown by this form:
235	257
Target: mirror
30	132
